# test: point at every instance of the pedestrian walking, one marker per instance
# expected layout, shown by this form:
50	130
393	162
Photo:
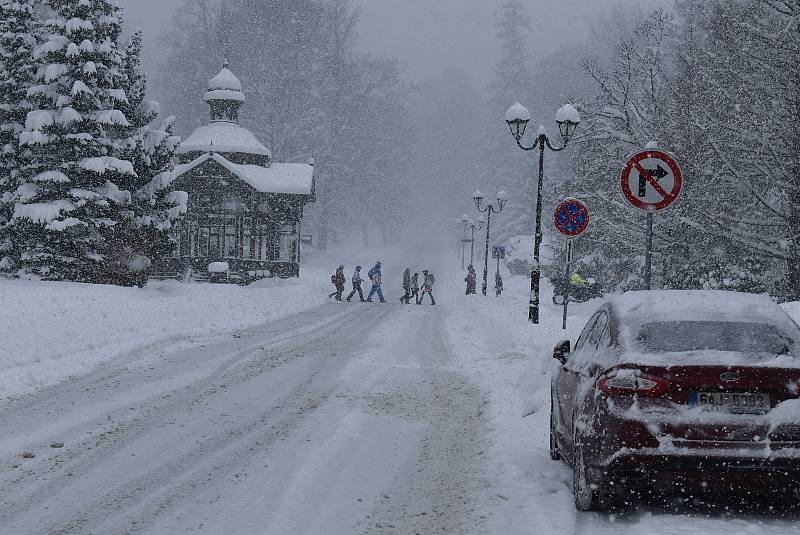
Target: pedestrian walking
498	284
414	288
356	285
427	286
471	280
338	281
406	286
375	276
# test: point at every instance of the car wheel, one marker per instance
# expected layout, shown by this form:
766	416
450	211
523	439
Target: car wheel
588	497
555	454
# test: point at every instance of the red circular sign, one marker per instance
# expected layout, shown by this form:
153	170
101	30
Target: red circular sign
571	217
651	180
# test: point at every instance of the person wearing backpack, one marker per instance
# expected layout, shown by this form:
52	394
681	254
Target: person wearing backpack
374	275
338	281
406	286
427	286
414	288
356	285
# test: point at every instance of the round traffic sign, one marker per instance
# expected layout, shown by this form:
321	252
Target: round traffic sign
571	217
651	180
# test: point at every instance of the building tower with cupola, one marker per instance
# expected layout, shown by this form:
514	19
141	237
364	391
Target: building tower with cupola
244	210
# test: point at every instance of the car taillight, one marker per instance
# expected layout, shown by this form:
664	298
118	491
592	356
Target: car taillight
630	381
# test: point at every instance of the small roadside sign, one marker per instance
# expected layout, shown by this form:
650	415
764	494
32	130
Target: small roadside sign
499	252
651	180
571	217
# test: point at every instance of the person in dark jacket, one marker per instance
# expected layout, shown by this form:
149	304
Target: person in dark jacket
427	286
414	288
471	280
406	286
375	276
338	281
498	284
356	285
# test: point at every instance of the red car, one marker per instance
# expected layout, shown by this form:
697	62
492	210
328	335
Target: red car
679	391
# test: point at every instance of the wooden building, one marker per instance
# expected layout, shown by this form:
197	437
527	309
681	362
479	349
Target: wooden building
244	210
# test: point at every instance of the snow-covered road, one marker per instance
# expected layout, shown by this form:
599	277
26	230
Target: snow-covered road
345	419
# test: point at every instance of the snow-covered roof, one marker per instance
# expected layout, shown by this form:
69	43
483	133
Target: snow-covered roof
224	94
224	86
223	136
225	79
291	178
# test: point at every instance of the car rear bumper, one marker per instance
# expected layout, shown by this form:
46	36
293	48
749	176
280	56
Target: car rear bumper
732	467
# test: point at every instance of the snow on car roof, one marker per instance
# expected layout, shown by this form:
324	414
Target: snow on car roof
641	307
637	309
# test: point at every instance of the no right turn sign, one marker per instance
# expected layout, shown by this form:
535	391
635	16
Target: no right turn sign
651	180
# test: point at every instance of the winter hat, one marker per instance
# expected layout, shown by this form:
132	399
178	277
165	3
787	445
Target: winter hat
358	268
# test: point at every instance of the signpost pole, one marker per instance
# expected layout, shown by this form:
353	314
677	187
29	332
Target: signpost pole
463	246
566	285
648	257
651	181
571	218
486	255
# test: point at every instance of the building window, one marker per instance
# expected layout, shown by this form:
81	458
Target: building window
287	251
230	238
248	249
214	249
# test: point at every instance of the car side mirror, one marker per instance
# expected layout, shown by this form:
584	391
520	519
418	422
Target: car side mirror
561	351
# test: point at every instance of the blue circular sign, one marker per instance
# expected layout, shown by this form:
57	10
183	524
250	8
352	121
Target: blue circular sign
571	217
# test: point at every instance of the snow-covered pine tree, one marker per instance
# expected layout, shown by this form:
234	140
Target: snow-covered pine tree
19	33
77	213
150	149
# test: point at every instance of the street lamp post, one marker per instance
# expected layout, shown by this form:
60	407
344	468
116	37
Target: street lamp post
473	227
465	223
517	117
489	209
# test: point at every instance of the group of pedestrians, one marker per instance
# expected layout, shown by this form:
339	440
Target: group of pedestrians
472	281
411	285
412	288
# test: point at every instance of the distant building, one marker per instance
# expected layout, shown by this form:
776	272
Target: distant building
244	210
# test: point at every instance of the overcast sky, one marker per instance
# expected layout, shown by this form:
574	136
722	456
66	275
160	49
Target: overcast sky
428	35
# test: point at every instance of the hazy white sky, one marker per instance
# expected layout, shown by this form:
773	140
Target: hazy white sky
428	35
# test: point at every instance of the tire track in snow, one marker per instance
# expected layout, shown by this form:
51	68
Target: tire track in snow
220	452
441	491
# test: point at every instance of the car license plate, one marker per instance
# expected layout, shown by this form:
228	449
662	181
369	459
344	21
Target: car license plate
732	402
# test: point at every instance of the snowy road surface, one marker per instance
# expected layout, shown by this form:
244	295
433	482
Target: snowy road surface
342	420
348	418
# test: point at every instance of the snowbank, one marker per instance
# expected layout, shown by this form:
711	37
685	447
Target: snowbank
512	361
55	330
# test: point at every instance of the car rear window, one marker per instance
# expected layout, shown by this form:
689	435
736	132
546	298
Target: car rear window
739	337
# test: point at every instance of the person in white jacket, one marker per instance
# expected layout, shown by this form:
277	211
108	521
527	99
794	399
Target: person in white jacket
427	286
356	285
